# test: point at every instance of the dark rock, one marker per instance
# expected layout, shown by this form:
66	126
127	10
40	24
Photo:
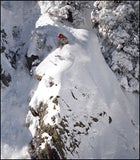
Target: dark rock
32	148
30	61
51	84
110	119
79	124
70	17
55	100
73	95
3	33
38	77
5	78
2	49
34	113
12	58
95	119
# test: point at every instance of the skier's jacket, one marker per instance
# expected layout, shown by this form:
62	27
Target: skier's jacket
62	40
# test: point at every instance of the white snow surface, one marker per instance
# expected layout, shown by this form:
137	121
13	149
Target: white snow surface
78	68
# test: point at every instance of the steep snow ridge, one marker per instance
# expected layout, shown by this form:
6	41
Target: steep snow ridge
90	99
104	98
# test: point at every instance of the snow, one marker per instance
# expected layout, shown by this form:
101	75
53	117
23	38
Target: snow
14	134
85	84
15	153
15	99
116	24
68	70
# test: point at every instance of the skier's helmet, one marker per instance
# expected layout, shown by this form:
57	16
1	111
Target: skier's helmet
60	35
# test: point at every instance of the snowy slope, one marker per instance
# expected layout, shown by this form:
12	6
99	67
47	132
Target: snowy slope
15	98
14	134
77	108
89	98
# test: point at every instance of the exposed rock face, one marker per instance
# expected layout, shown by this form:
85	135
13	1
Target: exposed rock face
116	23
47	136
57	140
5	78
31	61
15	34
41	44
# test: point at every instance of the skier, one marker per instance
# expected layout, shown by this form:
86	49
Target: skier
62	40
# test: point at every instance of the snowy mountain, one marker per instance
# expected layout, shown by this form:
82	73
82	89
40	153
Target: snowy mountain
66	102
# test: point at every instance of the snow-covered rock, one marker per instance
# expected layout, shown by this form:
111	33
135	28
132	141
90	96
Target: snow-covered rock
17	21
116	23
77	108
68	12
74	107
